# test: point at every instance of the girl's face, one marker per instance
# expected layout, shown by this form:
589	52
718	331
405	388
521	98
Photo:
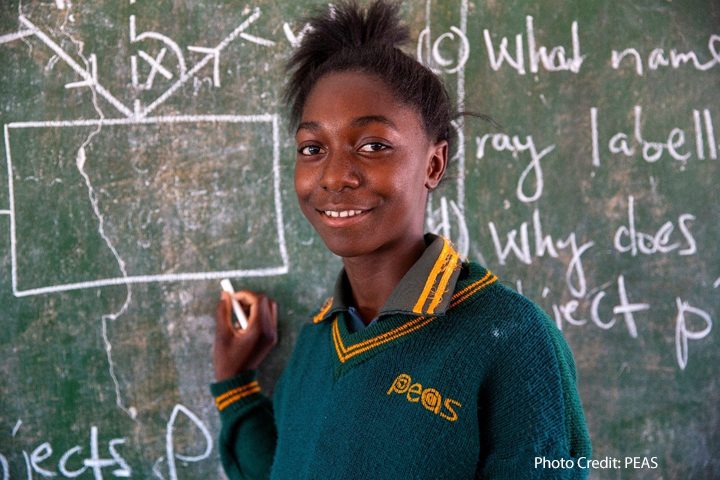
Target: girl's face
364	166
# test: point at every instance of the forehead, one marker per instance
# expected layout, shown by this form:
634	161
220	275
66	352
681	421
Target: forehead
345	96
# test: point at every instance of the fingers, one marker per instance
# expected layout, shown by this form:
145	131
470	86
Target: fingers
258	311
234	350
269	327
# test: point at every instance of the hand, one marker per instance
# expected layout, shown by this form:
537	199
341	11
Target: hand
237	351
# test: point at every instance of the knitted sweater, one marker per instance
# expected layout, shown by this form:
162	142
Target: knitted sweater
477	383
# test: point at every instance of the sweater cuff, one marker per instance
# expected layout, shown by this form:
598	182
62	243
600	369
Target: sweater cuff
237	393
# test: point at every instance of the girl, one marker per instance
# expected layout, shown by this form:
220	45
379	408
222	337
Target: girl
421	365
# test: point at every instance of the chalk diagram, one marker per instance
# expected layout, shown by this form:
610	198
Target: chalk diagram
138	123
140	116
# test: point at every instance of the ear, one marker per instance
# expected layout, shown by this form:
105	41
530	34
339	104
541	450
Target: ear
437	163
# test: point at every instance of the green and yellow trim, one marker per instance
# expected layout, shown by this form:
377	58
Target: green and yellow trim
437	282
471	289
231	396
345	352
323	310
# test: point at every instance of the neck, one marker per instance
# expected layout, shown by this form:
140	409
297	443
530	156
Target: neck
374	276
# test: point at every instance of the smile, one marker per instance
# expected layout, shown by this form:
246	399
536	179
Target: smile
342	213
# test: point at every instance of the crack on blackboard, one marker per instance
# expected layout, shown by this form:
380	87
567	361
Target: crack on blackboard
92	195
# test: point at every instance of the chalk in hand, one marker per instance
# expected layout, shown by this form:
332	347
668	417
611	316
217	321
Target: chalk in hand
239	313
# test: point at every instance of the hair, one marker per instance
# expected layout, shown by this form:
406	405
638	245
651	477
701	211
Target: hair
347	37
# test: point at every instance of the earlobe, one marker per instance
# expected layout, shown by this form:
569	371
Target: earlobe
437	164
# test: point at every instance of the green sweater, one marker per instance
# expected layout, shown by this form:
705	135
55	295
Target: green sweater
479	382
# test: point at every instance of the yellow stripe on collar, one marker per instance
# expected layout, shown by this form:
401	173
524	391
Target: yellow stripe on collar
446	263
323	310
453	263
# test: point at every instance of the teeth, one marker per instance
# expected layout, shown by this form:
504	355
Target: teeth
342	213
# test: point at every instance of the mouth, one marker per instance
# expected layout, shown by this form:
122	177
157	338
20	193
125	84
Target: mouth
342	213
342	217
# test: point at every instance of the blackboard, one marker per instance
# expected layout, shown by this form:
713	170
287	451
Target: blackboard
148	155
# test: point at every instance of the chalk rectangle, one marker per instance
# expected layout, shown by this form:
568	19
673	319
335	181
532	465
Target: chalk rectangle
179	198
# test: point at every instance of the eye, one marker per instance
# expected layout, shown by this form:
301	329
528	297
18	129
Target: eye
373	147
309	150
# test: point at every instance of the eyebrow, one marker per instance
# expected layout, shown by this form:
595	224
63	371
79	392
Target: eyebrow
312	126
367	120
358	122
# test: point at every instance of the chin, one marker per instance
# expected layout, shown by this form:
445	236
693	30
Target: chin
343	249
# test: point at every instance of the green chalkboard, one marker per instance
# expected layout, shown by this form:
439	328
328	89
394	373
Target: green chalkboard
148	156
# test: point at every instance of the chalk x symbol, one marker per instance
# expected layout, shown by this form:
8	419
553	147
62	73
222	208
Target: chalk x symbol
163	38
155	67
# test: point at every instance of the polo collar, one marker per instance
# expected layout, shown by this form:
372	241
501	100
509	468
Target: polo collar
426	289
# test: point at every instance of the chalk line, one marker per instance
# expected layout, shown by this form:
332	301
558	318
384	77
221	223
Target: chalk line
15	36
75	66
11	194
16	427
267	118
717	283
175	277
278	200
461	107
5	212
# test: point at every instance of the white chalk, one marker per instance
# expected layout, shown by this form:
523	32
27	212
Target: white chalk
239	313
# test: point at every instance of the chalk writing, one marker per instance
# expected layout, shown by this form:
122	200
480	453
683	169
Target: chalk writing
683	333
501	142
170	444
621	143
553	61
544	244
648	244
660	58
72	463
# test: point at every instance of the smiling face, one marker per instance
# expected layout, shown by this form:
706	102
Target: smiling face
364	166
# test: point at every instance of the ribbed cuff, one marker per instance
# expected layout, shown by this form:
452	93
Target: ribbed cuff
236	393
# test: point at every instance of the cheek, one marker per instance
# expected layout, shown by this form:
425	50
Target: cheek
303	182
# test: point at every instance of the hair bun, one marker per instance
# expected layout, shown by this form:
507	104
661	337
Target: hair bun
348	26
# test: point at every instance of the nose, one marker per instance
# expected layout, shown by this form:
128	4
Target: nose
339	172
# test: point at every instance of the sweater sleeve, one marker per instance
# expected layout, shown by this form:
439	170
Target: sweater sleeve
530	417
248	435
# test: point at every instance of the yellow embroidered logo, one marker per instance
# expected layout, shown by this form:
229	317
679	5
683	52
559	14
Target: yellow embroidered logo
429	397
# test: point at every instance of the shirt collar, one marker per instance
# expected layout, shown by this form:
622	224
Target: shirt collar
426	289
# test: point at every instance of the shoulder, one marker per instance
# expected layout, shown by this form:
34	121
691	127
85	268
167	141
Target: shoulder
502	320
480	295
